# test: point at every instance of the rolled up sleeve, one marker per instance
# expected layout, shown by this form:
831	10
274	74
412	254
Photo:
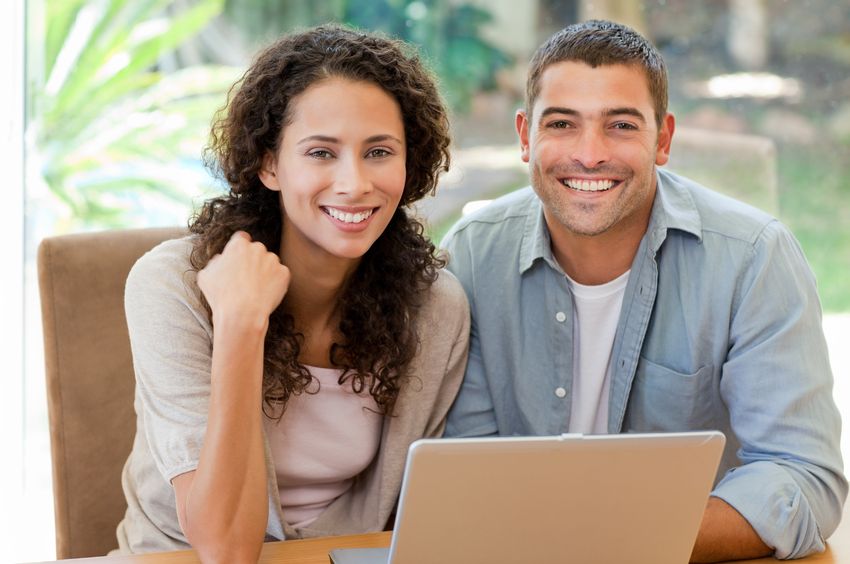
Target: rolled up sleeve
777	385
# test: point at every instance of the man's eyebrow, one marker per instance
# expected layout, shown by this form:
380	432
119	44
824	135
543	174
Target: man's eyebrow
608	112
634	112
557	110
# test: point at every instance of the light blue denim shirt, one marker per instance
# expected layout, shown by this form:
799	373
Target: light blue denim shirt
720	328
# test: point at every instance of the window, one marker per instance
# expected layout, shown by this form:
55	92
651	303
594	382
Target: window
114	136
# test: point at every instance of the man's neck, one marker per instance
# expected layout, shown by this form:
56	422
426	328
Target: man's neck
597	259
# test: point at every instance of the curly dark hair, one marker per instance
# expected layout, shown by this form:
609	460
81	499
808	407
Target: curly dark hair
380	300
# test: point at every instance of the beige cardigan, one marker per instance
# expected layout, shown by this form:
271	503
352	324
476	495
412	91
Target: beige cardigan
171	340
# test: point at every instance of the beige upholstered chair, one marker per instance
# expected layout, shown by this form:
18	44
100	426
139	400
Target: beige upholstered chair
90	380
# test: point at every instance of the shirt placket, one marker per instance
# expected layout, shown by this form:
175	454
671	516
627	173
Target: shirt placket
558	317
638	302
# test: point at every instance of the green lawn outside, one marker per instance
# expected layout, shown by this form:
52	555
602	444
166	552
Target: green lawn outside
814	201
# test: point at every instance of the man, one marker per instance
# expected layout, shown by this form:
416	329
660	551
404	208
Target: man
613	296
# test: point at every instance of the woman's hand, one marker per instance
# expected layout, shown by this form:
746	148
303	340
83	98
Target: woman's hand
245	282
222	505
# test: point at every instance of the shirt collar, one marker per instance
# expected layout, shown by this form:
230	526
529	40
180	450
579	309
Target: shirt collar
536	242
673	208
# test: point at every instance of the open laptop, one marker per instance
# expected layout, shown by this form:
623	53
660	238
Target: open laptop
636	498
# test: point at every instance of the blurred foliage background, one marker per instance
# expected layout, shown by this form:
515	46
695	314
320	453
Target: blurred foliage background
120	95
123	91
447	33
107	125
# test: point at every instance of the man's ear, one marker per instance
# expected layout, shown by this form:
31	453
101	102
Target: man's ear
665	139
522	130
267	173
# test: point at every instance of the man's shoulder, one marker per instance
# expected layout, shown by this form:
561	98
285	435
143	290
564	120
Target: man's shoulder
719	215
501	215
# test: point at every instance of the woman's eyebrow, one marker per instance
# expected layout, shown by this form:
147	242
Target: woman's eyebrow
331	139
322	138
384	137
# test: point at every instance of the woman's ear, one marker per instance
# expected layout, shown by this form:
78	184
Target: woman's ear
268	173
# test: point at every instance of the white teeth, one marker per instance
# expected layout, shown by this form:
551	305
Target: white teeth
348	217
588	185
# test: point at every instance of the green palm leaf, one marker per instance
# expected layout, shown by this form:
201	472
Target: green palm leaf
108	124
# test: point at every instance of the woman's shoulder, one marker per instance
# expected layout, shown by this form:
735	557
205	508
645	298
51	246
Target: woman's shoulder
445	304
446	293
173	253
165	268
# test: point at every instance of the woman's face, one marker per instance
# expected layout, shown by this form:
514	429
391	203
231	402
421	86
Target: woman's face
340	169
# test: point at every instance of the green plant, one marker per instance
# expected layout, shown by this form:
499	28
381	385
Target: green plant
104	124
447	32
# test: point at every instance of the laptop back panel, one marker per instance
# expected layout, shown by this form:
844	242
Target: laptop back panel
604	498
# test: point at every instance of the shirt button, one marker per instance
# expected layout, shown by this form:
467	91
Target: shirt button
561	392
561	317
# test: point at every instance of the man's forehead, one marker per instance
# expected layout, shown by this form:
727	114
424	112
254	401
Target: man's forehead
574	83
567	71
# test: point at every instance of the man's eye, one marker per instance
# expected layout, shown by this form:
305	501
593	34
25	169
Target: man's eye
624	125
560	124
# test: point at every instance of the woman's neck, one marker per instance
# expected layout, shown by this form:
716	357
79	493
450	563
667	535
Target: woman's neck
317	282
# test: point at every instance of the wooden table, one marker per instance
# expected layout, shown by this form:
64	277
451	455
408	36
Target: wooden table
310	551
315	551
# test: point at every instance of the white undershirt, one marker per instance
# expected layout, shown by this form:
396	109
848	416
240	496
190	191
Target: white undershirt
596	311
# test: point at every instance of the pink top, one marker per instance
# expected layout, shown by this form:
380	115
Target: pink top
322	442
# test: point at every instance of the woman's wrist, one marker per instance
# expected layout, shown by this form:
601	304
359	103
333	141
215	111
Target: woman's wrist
244	323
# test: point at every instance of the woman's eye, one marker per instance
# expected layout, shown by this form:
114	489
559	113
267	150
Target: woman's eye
320	154
377	153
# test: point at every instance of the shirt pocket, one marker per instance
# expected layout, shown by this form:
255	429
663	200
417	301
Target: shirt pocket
663	399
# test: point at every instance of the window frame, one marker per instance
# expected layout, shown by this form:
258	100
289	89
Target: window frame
12	257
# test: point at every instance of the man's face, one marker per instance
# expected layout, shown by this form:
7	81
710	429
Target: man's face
592	144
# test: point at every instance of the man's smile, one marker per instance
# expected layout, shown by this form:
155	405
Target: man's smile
589	185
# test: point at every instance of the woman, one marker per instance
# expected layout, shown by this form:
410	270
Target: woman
290	349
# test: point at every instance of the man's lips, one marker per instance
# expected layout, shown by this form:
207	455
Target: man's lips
589	184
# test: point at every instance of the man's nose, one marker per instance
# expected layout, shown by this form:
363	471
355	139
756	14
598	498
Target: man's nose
591	149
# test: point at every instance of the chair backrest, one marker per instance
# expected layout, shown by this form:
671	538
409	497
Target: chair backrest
90	379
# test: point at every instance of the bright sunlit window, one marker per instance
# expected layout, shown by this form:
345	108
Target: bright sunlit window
107	105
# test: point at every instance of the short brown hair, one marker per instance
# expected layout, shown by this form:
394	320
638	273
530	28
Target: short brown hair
600	42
